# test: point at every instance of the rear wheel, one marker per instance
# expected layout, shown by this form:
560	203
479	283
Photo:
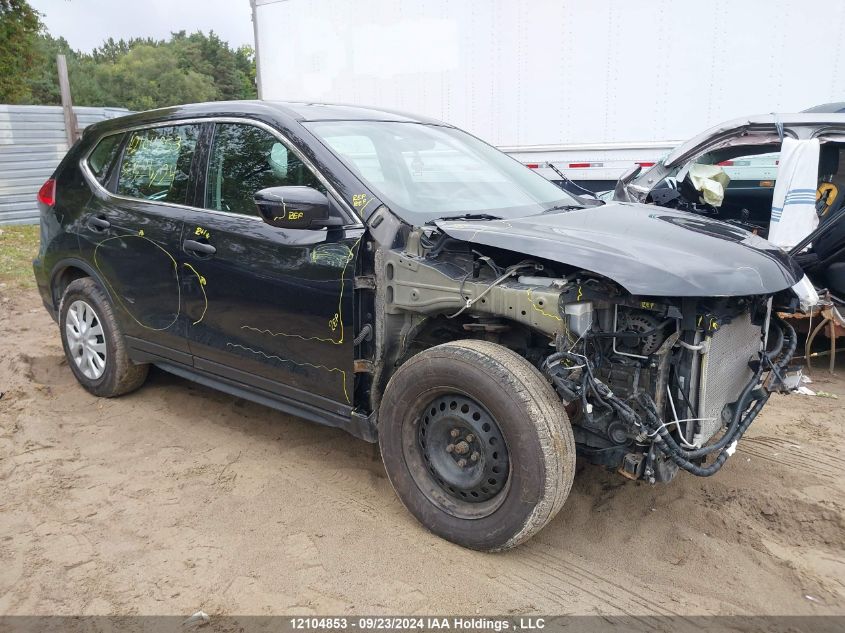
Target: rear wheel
93	342
476	444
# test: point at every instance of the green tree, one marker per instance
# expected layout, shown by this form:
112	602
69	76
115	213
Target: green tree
245	61
209	55
19	53
111	50
44	79
150	77
141	73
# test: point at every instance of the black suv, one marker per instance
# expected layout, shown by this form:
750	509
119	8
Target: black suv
400	279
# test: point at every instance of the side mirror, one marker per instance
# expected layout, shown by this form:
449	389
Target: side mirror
294	208
620	193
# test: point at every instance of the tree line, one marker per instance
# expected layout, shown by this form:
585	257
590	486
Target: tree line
139	73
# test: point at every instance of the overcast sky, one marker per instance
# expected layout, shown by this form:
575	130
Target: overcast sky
86	23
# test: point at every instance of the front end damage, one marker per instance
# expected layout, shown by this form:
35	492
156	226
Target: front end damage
652	384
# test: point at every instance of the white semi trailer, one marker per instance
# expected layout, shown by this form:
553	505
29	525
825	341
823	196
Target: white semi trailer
587	87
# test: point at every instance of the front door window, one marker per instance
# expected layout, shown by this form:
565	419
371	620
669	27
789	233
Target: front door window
245	159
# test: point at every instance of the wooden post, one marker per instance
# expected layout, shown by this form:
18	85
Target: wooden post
71	126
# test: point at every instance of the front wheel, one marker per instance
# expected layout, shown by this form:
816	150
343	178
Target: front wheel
476	444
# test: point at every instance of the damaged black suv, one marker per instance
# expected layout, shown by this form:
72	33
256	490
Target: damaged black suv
400	279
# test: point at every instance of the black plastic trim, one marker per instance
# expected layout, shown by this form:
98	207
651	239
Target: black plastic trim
359	426
270	386
141	351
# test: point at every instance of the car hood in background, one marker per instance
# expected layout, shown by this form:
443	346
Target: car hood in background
647	250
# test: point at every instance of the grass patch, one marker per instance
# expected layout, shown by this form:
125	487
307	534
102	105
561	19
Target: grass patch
18	245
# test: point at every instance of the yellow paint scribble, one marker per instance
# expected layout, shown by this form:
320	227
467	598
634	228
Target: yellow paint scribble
202	282
360	201
335	320
117	296
285	334
331	254
288	360
540	310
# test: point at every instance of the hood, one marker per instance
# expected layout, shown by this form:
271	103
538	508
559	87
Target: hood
645	249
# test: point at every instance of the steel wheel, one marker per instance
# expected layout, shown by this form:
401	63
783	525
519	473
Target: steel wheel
463	454
476	444
85	339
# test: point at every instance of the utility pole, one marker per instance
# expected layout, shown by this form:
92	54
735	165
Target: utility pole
71	126
255	37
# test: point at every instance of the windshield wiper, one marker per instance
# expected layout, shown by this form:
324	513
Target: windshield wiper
564	207
467	216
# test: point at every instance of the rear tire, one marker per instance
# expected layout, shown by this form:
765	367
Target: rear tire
476	444
93	342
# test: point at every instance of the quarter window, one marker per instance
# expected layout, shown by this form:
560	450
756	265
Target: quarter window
157	163
103	156
245	159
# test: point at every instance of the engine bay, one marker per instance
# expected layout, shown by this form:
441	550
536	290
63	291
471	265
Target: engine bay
651	384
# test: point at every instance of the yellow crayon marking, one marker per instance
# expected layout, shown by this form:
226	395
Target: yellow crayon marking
288	360
117	296
334	322
285	334
329	255
202	281
540	310
360	201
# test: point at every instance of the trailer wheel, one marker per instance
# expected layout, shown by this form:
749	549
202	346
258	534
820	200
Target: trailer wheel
476	444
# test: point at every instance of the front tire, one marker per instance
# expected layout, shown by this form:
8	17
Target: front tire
476	444
93	342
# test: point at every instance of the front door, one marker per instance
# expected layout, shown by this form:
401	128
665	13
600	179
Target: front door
271	307
132	236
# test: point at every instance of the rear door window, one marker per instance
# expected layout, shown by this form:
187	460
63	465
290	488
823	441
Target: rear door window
100	160
245	159
157	163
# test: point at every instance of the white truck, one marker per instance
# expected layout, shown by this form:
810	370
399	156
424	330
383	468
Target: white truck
585	87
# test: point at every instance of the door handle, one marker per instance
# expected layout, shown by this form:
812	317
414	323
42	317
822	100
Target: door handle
98	223
198	247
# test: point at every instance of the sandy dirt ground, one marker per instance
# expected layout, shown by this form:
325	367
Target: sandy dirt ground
178	498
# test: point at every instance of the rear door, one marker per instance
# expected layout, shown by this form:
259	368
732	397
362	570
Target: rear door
274	307
131	234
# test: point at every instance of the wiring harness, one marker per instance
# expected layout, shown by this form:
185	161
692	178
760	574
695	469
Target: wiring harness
573	376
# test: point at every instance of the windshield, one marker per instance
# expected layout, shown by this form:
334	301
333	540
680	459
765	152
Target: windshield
425	172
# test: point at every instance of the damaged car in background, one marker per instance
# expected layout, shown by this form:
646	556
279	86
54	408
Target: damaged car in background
780	176
405	281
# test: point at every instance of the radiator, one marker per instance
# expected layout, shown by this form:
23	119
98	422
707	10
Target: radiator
725	371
